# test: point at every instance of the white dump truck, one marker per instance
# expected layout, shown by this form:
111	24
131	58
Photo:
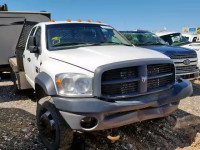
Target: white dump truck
88	77
11	26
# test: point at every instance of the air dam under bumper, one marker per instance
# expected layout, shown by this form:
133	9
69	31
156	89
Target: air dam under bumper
122	112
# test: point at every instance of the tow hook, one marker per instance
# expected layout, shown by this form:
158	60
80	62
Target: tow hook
113	135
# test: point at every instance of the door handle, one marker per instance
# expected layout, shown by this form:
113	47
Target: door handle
29	60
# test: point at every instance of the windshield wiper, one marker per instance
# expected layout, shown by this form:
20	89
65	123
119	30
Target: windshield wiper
184	43
89	44
157	44
140	44
68	44
149	44
114	43
181	43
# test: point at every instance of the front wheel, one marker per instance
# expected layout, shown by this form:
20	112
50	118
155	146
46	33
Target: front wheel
53	130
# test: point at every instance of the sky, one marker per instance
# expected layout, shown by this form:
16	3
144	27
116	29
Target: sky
153	15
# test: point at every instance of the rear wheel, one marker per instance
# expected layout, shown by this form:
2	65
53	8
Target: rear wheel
53	130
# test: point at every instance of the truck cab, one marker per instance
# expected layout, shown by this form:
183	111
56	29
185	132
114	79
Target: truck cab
191	37
185	60
88	77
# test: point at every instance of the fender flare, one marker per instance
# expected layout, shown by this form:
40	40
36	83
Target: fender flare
46	83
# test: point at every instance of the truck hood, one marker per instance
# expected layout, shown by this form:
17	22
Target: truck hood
195	46
91	57
171	50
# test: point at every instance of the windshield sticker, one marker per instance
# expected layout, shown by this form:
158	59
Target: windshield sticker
56	40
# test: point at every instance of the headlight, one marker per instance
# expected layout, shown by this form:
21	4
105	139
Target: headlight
74	85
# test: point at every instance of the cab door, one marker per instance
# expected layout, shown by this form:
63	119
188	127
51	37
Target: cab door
32	60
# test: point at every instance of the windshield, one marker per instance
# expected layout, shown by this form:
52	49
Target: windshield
61	36
175	39
144	39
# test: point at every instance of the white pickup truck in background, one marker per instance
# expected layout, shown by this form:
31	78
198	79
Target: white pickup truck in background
191	37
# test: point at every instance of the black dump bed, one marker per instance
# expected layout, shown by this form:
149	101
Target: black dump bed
14	30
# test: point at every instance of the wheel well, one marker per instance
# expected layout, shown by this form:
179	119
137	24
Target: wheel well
40	93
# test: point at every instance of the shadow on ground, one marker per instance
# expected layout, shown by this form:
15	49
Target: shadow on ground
196	89
7	92
18	130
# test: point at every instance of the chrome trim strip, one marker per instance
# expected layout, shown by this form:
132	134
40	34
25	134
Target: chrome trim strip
181	60
160	76
120	81
187	73
182	64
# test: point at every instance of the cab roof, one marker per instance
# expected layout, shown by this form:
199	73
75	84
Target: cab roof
136	31
195	34
72	22
164	33
23	12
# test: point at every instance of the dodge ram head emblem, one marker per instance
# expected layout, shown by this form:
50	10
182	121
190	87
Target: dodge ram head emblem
144	78
186	62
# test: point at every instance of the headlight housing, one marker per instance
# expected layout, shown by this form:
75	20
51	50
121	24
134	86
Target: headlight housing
74	85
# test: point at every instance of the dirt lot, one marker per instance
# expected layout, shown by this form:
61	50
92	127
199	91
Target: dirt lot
18	128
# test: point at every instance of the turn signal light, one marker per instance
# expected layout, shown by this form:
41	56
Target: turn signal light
78	20
68	20
98	21
88	21
58	81
52	20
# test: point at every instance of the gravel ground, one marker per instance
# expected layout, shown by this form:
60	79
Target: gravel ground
18	126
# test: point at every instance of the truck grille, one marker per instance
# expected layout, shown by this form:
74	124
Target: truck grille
159	82
186	65
133	81
119	74
120	88
159	69
191	68
183	56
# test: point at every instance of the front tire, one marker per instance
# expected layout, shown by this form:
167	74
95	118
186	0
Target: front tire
53	130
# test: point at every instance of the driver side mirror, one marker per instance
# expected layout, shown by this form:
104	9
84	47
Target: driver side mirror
32	45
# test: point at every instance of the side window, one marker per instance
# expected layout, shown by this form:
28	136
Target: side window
194	39
38	36
31	34
32	31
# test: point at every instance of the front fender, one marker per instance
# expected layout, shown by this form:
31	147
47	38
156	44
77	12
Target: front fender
46	83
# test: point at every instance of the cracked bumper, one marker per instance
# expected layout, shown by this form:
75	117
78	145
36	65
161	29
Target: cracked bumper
122	112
